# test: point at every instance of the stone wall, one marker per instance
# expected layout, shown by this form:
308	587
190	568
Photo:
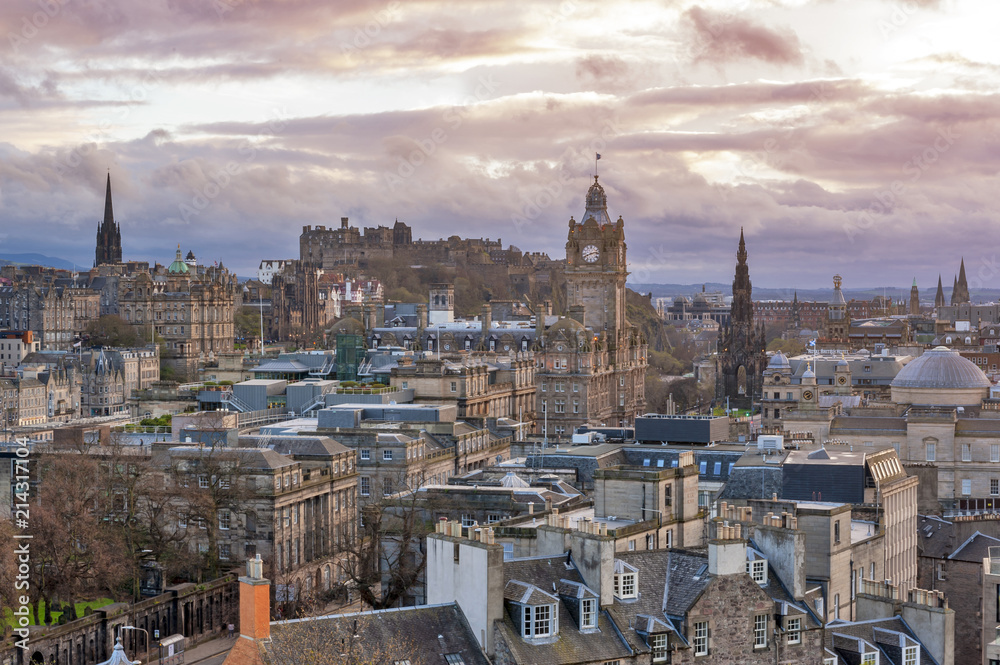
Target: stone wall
197	611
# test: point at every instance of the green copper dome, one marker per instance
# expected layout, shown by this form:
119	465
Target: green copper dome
178	266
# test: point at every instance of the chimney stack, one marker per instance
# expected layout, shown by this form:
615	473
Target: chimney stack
255	602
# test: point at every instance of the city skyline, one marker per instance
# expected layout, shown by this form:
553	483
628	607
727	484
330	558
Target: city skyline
852	138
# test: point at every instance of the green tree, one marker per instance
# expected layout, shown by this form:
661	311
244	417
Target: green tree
790	347
111	330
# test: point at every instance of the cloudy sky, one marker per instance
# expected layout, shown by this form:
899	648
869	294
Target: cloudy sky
856	136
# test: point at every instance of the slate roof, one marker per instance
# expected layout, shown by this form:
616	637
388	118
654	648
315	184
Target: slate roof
977	427
937	541
425	634
571	645
887	636
281	366
975	548
844	424
307	446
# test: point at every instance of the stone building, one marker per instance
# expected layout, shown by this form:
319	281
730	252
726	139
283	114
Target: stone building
938	416
581	602
956	560
290	500
403	446
14	346
191	310
591	364
494	386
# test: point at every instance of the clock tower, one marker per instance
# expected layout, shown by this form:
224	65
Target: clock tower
596	267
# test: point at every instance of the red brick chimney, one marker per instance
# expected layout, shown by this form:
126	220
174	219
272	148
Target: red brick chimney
255	616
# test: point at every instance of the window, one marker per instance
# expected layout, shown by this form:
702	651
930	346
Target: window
830	661
836	606
658	643
588	613
701	638
203	482
631	545
468	519
182	521
994	486
225	551
966	486
931	451
454	386
702	466
870	658
759	631
668	498
836	531
508	551
966	452
793	631
224	520
625	585
450	659
537	620
387	455
757	569
995	452
910	655
366	454
717	468
365	486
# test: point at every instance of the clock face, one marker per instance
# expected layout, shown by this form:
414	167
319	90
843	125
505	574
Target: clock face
591	253
807	395
842	380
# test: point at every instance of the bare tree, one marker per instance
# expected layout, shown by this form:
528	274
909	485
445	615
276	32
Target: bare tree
387	559
77	550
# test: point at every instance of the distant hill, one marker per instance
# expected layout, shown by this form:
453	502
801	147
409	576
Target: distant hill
39	260
821	295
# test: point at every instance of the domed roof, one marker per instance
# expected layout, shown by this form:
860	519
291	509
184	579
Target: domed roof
680	300
808	374
347	326
178	266
779	361
941	368
567	324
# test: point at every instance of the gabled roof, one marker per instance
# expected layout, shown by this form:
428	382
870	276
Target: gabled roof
537	577
975	548
425	634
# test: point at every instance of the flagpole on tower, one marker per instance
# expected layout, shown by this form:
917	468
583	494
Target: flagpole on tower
597	156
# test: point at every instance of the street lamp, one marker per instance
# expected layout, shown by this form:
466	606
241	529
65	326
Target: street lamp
121	628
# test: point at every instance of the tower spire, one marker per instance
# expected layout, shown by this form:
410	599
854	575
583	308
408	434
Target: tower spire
939	296
109	235
109	215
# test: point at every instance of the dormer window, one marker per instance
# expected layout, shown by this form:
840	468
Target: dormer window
757	569
626	580
588	613
660	647
538	620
